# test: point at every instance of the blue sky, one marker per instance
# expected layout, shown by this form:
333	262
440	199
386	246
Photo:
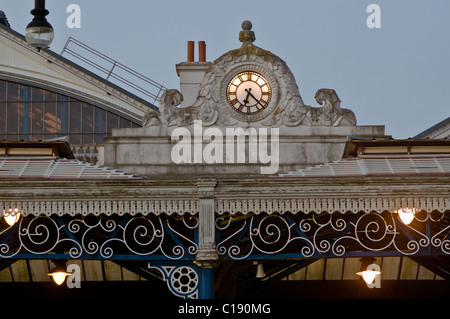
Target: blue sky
397	75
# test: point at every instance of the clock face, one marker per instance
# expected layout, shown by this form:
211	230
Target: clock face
249	92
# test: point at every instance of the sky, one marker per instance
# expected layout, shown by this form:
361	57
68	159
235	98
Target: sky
397	75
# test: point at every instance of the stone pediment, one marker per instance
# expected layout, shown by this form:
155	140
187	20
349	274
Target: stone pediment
225	97
242	114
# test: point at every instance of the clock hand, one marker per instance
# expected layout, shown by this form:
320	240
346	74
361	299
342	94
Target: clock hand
248	94
257	101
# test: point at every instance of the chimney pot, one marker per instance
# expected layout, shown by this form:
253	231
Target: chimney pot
190	51
201	51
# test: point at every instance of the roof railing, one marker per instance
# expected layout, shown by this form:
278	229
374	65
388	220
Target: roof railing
114	71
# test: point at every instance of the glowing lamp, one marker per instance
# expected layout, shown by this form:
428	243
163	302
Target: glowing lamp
12	216
368	275
406	215
370	272
59	273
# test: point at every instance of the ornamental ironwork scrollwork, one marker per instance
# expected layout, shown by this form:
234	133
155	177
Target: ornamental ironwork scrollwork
102	237
300	235
270	234
39	235
182	281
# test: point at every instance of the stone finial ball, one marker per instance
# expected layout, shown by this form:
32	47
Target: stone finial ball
246	25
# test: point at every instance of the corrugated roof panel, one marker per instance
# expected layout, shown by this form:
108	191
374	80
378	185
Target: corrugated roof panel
378	165
36	168
349	167
67	169
444	163
401	165
56	168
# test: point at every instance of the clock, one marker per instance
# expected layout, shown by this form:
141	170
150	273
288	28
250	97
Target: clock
248	92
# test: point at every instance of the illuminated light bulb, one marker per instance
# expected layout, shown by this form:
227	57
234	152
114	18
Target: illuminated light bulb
59	273
59	277
406	215
371	273
12	216
368	275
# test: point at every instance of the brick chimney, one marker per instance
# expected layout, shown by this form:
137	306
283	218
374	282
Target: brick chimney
191	73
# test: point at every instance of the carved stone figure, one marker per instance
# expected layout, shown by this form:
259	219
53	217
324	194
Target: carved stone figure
168	114
331	114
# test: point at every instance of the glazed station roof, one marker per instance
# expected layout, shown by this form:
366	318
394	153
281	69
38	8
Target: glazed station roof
385	157
49	160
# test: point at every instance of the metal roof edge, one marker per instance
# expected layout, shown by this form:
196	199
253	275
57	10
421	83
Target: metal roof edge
83	70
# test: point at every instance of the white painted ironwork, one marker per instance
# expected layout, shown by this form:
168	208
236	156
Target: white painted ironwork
99	237
106	207
233	206
331	235
182	281
343	203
